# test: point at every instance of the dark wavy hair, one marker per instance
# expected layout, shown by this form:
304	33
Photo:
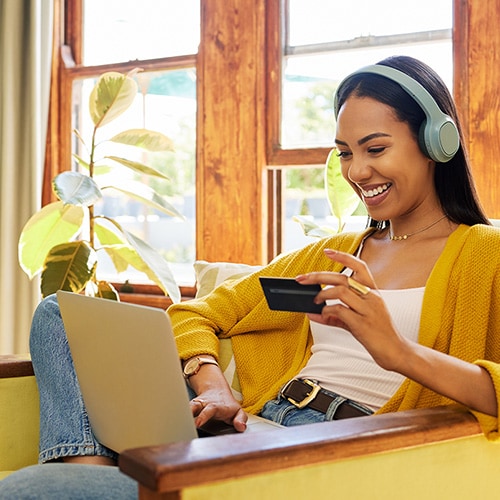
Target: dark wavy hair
453	180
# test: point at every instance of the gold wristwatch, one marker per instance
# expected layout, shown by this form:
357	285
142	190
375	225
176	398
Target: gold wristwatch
193	365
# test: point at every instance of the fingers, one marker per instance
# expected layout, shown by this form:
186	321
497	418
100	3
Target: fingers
359	267
354	294
240	421
198	405
361	281
204	411
336	286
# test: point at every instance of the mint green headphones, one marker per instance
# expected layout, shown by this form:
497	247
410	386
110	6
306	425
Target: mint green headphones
438	137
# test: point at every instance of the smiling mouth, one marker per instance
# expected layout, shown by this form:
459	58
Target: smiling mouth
371	193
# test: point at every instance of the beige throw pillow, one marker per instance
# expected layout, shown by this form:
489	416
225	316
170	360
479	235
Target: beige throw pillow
209	275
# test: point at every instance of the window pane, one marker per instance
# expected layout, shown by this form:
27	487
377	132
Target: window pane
124	30
166	102
310	81
311	74
319	21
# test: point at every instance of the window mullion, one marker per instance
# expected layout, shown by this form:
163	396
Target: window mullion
369	41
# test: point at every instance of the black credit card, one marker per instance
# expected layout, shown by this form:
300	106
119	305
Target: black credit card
287	294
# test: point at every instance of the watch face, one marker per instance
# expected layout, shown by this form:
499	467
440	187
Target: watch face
192	366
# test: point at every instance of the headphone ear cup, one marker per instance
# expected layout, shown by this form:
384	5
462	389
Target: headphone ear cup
421	140
439	139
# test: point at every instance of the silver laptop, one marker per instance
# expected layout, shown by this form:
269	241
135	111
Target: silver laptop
129	372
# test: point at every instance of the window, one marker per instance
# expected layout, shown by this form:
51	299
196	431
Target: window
117	31
323	41
162	40
166	103
252	102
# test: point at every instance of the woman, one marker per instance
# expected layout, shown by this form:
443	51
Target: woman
422	329
413	303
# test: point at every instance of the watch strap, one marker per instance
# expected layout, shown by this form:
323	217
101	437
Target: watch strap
200	361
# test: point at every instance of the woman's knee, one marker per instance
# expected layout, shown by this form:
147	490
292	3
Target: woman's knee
46	319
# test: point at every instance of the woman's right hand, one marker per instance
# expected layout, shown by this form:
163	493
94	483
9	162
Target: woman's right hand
214	400
218	405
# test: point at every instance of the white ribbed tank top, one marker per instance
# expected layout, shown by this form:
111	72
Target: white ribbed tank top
341	364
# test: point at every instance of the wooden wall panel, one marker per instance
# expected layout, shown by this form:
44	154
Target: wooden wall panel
230	145
477	90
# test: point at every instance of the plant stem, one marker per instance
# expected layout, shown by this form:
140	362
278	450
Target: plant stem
91	174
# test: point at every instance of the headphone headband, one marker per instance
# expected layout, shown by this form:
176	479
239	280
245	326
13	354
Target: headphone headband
438	138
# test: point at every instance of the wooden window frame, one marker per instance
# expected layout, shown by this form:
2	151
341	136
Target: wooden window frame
239	157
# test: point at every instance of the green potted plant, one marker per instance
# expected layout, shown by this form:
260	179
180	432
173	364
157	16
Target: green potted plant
61	241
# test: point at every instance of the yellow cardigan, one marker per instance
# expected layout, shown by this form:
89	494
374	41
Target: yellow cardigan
460	316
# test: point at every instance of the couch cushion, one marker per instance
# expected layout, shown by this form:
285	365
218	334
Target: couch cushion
209	275
19	423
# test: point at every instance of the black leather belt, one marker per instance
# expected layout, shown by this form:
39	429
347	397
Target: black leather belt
305	392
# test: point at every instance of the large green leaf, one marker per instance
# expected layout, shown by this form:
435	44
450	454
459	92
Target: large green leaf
145	139
76	189
106	235
54	224
68	266
138	167
120	252
124	256
148	196
117	248
111	96
156	267
342	198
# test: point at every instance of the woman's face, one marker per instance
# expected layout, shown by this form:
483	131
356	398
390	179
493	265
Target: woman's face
382	161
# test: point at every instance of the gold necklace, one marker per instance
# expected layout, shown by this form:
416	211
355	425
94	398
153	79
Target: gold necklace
406	236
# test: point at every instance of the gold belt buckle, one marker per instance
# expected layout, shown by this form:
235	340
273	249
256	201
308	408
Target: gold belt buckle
315	388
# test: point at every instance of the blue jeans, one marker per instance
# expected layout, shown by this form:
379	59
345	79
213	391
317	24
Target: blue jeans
63	481
64	424
283	412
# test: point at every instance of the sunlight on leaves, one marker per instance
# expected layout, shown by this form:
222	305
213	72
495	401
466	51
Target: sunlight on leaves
148	196
137	167
112	95
54	224
157	268
145	139
47	243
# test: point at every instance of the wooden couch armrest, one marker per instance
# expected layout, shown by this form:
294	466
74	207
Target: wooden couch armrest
14	365
164	471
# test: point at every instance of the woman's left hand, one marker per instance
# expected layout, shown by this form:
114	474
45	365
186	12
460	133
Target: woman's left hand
361	309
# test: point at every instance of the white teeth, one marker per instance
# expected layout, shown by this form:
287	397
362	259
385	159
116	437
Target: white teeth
373	192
